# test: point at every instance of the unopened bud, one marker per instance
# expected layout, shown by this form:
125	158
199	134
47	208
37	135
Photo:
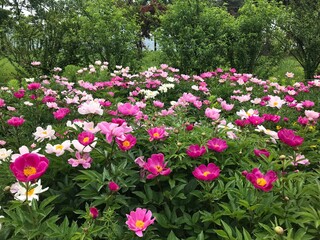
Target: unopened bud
279	230
282	157
179	144
203	134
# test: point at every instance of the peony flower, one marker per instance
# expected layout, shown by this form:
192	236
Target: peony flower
113	187
42	134
212	113
157	133
19	94
4	153
195	151
127	143
94	213
255	120
260	181
139	220
217	144
61	113
34	86
128	109
59	149
288	137
300	159
260	152
206	173
90	107
84	160
2	102
21	194
16	121
156	166
86	138
29	166
113	130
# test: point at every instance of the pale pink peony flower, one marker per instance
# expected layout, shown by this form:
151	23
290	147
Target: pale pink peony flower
139	220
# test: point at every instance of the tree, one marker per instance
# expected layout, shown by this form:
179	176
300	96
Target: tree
194	35
301	25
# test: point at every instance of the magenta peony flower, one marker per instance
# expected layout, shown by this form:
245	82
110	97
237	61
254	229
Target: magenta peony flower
157	133
61	113
2	102
127	143
303	120
217	144
195	151
156	165
260	181
128	109
16	121
206	173
288	137
94	213
34	86
29	166
255	120
260	152
190	127
113	187
86	138
139	220
19	94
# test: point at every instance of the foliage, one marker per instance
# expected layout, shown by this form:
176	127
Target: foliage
184	207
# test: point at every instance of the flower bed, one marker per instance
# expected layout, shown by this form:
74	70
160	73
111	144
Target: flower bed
159	155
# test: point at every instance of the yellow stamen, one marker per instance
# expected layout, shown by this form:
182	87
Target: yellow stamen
275	104
44	133
156	135
159	168
126	144
59	147
206	173
86	139
139	224
28	171
261	182
30	192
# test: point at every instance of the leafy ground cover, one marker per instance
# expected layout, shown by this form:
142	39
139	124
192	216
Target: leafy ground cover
159	154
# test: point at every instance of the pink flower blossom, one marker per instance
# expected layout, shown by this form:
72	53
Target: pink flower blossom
260	181
113	130
113	187
195	151
86	138
127	143
61	113
206	173
260	152
307	104
303	120
155	165
34	86
158	104
16	121
84	160
311	115
227	107
29	167
212	113
157	133
139	220
19	94
288	137
2	102
128	109
255	120
300	159
217	144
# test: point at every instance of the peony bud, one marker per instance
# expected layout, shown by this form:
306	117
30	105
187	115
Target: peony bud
279	230
94	213
113	187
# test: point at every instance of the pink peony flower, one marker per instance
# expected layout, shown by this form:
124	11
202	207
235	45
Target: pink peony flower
19	94
255	120
113	187
29	167
94	213
189	127
217	144
307	104
156	166
300	159
212	113
303	120
195	151
227	107
157	133
260	152
86	138
127	143
128	109
260	181
2	102
34	86
113	130
84	160
139	220
61	113
206	173
288	137
16	121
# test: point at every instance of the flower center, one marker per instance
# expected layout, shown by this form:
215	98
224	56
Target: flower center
44	133
159	168
59	147
28	171
156	135
261	182
275	103
139	224
126	144
86	139
30	192
206	173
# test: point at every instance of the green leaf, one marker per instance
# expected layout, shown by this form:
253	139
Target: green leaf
172	236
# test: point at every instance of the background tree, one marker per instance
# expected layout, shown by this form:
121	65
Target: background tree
194	36
301	24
